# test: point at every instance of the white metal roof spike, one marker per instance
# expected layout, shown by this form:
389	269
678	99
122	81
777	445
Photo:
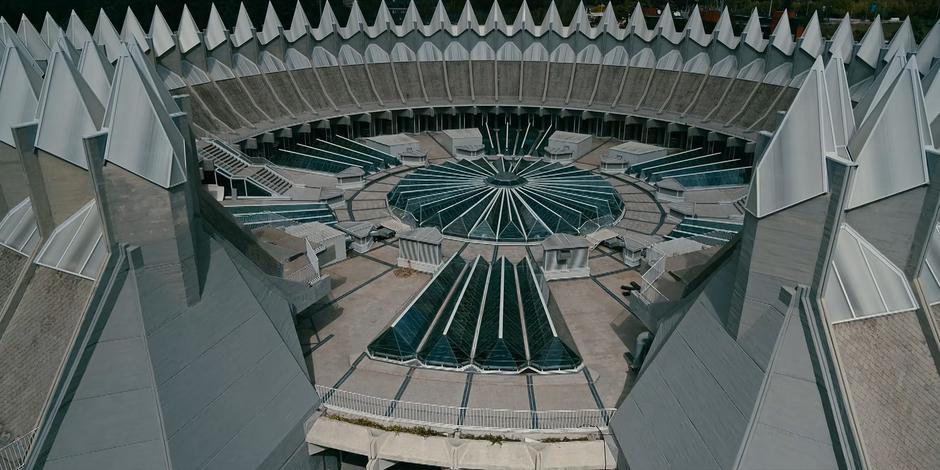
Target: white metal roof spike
244	30
50	30
812	41
552	20
842	42
32	39
467	20
753	35
383	20
132	30
580	22
439	20
68	110
412	20
328	22
107	36
879	87
271	28
609	22
666	27
929	48
216	32
869	48
637	24
142	138
299	24
188	34
792	168
902	41
356	22
889	145
695	29
76	31
840	104
494	20
781	38
724	31
96	70
160	33
20	84
523	19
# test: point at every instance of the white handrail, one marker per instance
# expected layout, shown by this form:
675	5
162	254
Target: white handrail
13	455
426	414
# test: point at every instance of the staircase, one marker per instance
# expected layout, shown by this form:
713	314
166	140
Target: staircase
241	166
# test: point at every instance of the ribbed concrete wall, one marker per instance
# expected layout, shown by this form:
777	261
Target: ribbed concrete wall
559	77
534	85
660	88
458	79
385	83
433	74
68	187
13	188
359	83
609	85
307	82
735	100
287	92
201	114
484	86
240	100
409	80
710	95
893	387
763	99
685	92
12	263
334	86
212	97
34	345
263	96
769	122
585	75
635	86
508	81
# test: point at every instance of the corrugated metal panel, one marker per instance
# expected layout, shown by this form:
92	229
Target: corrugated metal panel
18	230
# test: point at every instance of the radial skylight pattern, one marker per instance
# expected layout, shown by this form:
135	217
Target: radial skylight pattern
506	199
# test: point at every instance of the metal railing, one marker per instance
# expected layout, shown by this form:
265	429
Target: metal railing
657	260
13	455
426	414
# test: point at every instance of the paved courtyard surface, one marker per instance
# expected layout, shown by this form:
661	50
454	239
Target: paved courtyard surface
368	292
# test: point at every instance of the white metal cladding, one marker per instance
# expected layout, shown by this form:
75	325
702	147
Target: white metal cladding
617	56
889	146
869	48
68	110
563	54
414	250
19	90
294	60
643	58
216	32
536	52
700	64
160	33
132	31
269	63
482	51
402	53
271	28
298	25
862	282
18	229
244	30
509	52
142	138
78	245
590	55
243	66
428	52
76	32
930	271
107	36
813	42
840	104
188	35
323	58
376	55
456	51
792	167
32	39
96	70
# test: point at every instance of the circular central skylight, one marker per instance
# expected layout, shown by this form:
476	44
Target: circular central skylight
506	199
